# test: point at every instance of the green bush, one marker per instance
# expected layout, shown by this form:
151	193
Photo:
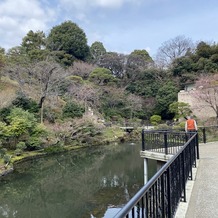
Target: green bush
26	103
180	126
163	127
7	158
21	145
102	76
72	110
2	152
54	149
21	122
18	152
21	126
34	143
18	124
35	140
4	113
155	119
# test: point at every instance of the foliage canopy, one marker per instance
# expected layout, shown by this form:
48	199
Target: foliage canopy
70	38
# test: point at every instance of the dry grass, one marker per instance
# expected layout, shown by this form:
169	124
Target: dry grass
8	89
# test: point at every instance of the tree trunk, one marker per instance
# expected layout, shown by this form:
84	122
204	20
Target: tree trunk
41	106
41	110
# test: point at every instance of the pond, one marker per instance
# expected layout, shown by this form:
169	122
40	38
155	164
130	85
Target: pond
93	182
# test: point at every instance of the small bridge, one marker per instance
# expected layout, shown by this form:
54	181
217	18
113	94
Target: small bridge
161	195
128	129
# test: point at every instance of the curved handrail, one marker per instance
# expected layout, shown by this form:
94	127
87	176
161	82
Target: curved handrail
141	193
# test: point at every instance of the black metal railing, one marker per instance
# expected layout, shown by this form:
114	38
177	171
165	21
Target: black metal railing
168	142
208	133
160	196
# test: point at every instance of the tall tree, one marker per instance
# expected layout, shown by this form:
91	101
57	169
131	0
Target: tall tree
203	61
34	45
39	79
34	40
137	62
97	49
172	49
114	62
203	50
17	55
166	95
147	82
113	102
68	37
180	109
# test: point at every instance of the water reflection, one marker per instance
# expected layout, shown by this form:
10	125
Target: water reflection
92	182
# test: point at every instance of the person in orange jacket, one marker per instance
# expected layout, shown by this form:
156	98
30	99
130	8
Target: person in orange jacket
190	125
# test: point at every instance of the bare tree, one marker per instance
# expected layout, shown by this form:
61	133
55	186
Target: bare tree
207	91
37	80
172	49
135	103
84	93
81	69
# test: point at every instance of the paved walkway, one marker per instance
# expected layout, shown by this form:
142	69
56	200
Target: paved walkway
203	201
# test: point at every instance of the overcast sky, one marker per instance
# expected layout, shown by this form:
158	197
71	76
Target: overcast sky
121	25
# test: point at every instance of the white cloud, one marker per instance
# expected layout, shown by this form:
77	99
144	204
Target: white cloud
86	4
19	8
20	16
110	3
122	25
95	36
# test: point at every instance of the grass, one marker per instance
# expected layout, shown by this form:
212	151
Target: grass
8	90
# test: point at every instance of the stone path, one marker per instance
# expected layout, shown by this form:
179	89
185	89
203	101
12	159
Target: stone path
204	196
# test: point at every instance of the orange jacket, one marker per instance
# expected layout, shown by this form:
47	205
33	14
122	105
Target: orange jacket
191	124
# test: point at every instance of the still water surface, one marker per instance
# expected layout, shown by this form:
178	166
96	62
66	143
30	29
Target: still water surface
87	183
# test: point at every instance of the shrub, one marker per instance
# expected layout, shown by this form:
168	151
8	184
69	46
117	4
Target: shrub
54	149
72	110
102	76
18	152
4	113
21	145
163	127
20	122
26	103
155	119
2	152
22	126
34	143
7	158
180	126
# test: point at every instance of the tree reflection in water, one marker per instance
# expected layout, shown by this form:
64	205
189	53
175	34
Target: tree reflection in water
91	182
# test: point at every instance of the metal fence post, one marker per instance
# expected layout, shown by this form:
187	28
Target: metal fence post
183	176
143	140
169	200
197	146
204	135
165	143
